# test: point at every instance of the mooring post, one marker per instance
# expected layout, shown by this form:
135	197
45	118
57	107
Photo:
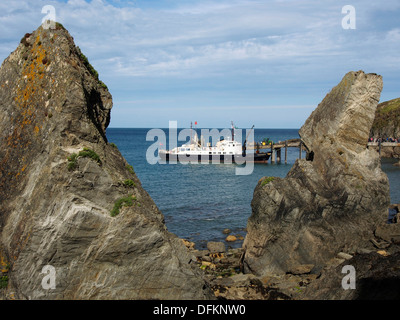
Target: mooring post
278	155
272	153
380	147
285	151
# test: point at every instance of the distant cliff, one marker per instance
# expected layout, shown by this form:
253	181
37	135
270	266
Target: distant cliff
387	120
68	199
387	125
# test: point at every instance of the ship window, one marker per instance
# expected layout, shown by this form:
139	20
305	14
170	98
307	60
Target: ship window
187	149
219	152
214	153
230	152
209	152
224	152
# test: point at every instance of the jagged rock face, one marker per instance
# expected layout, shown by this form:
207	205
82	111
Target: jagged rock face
333	201
345	116
376	278
52	105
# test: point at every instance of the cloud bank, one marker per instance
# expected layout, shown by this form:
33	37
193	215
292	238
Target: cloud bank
215	60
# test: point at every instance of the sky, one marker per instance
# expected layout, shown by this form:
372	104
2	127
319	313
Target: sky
263	63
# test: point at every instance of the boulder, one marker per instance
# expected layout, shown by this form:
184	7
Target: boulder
301	269
216	247
333	200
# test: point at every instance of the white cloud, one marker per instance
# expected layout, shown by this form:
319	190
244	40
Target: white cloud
268	44
193	38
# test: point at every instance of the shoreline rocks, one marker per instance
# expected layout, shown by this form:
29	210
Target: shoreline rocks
223	271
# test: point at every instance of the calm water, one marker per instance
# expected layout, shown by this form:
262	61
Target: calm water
200	200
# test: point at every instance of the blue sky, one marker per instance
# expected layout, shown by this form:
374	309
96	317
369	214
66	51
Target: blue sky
267	63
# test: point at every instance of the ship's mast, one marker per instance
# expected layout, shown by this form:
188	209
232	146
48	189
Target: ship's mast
244	147
233	132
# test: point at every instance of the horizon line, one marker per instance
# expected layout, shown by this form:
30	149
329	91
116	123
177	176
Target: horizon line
200	128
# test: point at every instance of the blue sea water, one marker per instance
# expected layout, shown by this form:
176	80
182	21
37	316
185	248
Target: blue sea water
199	201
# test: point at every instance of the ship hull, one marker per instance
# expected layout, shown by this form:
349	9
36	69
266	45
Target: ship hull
256	158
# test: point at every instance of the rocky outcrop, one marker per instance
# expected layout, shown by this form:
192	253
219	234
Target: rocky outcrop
331	202
68	198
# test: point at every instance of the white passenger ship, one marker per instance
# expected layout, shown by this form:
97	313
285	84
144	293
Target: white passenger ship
225	151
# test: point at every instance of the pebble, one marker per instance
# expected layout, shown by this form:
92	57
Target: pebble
383	253
345	256
230	238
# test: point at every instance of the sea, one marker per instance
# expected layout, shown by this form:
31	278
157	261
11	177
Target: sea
200	201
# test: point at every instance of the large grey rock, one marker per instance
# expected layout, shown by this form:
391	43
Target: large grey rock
51	106
334	201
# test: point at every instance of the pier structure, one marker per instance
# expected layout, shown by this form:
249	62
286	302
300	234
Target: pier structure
381	144
275	149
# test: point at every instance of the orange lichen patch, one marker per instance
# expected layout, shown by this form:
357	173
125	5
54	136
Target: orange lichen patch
21	245
33	72
29	89
22	171
3	264
29	97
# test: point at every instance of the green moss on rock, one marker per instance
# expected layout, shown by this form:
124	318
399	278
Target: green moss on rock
85	153
122	202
